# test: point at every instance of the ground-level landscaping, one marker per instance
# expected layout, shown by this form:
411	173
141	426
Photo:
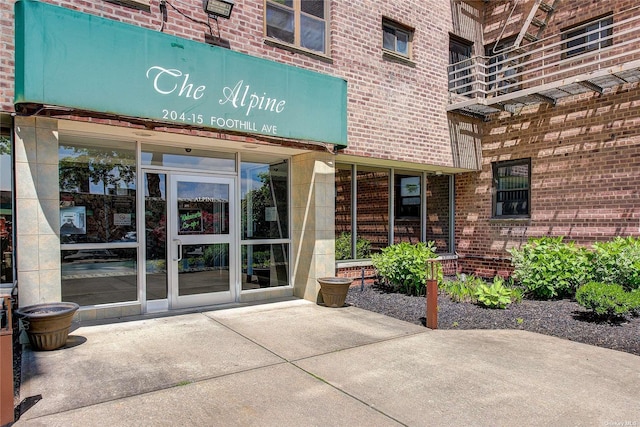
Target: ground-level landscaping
563	318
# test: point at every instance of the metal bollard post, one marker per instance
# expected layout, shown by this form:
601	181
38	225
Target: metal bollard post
6	364
432	294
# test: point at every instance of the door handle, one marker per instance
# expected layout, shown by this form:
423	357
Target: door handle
179	243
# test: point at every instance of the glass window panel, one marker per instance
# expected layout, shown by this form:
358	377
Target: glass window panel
408	197
280	24
6	208
312	33
512	184
589	41
188	158
288	3
343	212
264	200
373	207
438	212
204	269
460	58
500	69
265	266
203	208
155	208
97	192
402	42
389	38
99	276
313	7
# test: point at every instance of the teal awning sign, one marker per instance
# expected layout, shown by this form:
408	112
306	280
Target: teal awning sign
71	59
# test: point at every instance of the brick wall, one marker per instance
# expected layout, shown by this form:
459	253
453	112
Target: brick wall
396	110
585	158
504	19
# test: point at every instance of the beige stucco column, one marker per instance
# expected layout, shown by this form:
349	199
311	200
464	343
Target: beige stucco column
313	229
37	210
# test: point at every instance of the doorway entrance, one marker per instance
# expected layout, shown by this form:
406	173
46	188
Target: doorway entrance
189	240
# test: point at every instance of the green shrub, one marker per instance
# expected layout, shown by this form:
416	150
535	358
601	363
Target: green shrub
496	295
548	268
607	300
617	261
517	294
470	288
634	301
403	266
463	288
343	247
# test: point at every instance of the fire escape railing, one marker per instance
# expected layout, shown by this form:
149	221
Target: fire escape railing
550	62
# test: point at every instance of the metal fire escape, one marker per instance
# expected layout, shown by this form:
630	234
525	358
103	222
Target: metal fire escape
597	56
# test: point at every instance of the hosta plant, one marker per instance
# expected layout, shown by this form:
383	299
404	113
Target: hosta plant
496	295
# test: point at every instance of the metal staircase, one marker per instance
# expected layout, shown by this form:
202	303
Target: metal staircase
508	55
527	68
536	22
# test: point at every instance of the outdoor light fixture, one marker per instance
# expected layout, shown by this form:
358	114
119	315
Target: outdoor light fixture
220	8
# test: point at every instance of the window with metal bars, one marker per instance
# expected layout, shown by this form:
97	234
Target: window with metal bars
589	36
512	189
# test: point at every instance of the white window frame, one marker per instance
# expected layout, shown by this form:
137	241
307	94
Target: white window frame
297	14
397	28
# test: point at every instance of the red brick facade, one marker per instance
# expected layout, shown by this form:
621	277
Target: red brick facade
387	100
585	158
585	151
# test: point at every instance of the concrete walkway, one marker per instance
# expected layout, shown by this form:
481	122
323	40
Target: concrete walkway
294	363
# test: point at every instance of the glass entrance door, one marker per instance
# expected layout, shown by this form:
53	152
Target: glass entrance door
201	254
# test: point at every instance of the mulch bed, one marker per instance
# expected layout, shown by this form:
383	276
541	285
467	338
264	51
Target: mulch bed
560	318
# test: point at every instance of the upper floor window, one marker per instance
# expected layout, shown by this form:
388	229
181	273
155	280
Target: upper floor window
460	65
502	71
588	36
512	185
301	23
396	38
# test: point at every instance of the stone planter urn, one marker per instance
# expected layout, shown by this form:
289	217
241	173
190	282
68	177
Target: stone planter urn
47	325
334	290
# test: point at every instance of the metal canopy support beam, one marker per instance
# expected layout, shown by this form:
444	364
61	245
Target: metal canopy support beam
469	113
544	98
620	78
591	86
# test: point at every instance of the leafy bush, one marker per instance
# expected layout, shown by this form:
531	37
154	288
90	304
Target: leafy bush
634	300
617	261
496	295
463	288
607	300
343	247
493	296
403	266
548	268
470	288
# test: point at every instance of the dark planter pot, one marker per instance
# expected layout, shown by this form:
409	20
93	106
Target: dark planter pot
334	290
264	276
47	325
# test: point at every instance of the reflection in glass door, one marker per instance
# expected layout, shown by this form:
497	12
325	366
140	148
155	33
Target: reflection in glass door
202	252
155	237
